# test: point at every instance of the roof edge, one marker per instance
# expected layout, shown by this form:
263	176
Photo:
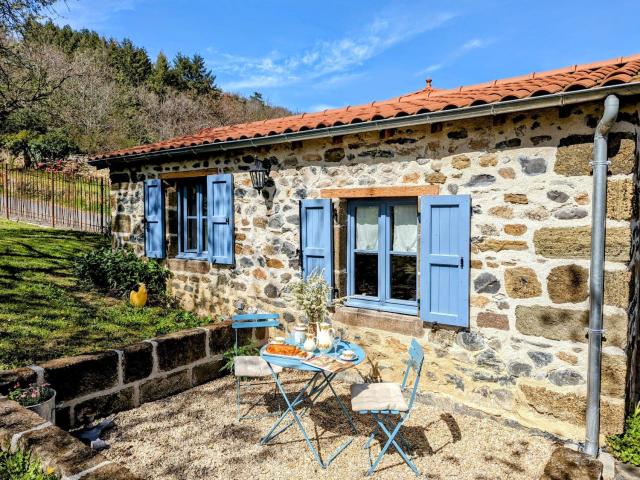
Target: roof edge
529	103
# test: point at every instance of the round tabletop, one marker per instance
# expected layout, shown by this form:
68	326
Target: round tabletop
297	363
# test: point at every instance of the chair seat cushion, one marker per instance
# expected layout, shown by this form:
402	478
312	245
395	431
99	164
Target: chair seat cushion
377	396
252	366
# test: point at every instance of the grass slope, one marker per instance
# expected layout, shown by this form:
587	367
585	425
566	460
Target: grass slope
44	314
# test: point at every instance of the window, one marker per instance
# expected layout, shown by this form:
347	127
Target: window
192	219
382	264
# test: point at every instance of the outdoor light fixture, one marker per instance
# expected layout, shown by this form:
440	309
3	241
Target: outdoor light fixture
259	173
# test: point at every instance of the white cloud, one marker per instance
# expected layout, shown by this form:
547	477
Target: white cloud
332	60
452	57
319	107
92	14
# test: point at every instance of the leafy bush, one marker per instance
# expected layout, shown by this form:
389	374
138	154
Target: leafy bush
31	395
20	466
120	270
250	349
626	446
180	320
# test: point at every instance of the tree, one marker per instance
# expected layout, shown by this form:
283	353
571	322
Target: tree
160	77
14	14
192	75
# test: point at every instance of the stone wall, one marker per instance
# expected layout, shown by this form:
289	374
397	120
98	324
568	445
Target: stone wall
528	175
96	385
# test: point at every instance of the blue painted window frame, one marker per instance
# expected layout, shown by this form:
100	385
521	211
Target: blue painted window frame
382	302
201	252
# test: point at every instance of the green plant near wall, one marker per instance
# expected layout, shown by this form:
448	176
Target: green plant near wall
20	466
120	270
626	446
250	349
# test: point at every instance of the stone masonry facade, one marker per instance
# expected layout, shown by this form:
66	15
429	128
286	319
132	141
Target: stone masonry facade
524	356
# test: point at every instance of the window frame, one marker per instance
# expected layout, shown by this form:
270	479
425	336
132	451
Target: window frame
383	302
201	252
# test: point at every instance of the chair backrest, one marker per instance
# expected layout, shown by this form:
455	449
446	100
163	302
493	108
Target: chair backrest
254	320
415	362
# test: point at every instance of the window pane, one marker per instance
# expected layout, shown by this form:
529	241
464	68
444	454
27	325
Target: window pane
366	275
191	195
192	234
367	228
405	228
403	277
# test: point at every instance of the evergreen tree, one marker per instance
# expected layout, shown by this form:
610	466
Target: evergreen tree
192	75
161	75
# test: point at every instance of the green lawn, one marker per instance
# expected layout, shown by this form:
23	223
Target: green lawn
44	314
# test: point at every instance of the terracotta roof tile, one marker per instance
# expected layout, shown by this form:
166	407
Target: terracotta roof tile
576	77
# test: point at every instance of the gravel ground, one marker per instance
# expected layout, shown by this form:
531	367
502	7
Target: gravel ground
194	435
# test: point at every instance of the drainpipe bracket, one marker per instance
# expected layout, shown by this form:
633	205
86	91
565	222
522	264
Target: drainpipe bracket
595	331
592	163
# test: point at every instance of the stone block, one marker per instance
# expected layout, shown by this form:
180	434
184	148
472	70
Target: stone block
191	266
59	450
87	411
492	320
208	371
15	419
617	288
568	284
575	242
522	282
563	324
390	322
502	211
568	406
614	374
460	162
180	348
620	199
574	159
121	223
221	337
9	379
517	198
515	229
495	245
488	160
72	377
162	387
137	361
567	464
507	172
435	177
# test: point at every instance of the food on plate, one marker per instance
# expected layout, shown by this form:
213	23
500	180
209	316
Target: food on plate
285	350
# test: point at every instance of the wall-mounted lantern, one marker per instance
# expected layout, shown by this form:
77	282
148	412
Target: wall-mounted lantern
259	173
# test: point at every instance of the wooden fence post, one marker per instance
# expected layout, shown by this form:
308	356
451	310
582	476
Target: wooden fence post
53	203
6	190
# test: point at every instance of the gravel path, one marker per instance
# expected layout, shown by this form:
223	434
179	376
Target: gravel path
194	435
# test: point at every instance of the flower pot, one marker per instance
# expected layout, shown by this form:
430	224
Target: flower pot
46	409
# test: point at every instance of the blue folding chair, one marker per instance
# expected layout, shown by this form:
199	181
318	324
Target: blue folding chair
246	366
385	400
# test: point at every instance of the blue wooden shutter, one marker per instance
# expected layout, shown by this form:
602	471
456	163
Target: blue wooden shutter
220	232
445	230
316	238
153	219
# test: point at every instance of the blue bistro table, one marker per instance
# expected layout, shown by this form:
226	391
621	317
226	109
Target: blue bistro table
320	380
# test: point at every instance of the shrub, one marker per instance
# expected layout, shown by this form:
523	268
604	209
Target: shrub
120	270
626	446
20	466
31	395
250	349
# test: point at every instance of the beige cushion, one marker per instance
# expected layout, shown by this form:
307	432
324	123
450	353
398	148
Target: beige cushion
377	396
253	367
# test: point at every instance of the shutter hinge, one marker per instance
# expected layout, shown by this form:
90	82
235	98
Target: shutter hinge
461	262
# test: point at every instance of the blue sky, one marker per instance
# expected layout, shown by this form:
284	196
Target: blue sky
311	55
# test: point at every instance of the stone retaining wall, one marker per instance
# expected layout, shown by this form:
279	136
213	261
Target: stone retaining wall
95	385
57	450
528	175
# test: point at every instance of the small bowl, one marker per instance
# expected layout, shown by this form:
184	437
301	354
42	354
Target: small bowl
277	340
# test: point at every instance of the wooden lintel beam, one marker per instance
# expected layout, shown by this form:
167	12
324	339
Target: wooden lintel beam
189	173
377	192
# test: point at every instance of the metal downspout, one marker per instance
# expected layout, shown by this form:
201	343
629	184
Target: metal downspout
596	273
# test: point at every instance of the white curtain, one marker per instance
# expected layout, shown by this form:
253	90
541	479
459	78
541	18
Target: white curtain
405	228
367	228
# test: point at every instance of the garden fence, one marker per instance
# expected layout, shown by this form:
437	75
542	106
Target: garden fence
56	199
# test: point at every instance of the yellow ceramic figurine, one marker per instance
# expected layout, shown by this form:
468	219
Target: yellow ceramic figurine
139	298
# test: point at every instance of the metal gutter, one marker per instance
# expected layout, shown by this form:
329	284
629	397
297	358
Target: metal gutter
530	103
596	273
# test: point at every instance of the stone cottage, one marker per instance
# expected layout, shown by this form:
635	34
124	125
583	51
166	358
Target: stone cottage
458	216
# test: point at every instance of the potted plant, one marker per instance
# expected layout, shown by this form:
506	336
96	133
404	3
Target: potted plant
38	398
312	298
